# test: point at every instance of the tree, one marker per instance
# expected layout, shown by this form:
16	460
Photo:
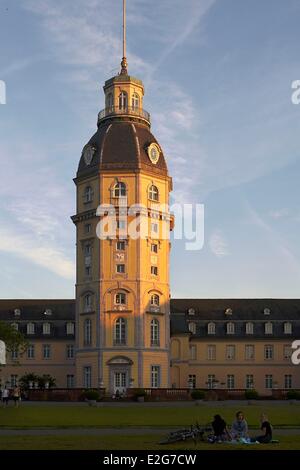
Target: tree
13	339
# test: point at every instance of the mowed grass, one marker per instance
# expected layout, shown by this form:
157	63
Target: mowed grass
141	442
167	416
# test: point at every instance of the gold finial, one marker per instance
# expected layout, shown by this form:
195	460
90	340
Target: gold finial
124	63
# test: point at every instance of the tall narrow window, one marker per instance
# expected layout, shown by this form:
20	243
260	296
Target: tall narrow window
46	328
269	351
288	381
230	352
70	351
46	351
88	303
109	101
87	326
153	193
135	101
14	354
230	328
123	100
268	328
230	381
30	351
211	328
70	328
192	327
120	332
13	380
287	328
249	328
249	352
30	328
70	381
211	378
269	381
192	381
154	270
211	352
155	376
249	381
287	351
87	377
119	189
88	194
154	332
193	352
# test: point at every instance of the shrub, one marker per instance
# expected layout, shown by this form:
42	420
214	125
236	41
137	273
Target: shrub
251	394
91	395
140	392
293	395
198	394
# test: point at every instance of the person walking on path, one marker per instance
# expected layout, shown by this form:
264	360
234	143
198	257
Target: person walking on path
5	396
17	396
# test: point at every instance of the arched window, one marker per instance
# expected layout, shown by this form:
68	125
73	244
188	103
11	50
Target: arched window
30	328
88	194
123	100
287	328
135	101
109	101
154	332
87	327
230	328
119	189
249	328
120	331
153	193
154	301
192	327
87	303
120	298
211	328
46	328
268	328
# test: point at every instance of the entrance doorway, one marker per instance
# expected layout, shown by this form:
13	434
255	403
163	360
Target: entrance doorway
120	382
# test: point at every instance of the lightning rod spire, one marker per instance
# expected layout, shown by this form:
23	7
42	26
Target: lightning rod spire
124	63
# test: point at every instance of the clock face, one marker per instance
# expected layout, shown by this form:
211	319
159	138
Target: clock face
154	153
88	153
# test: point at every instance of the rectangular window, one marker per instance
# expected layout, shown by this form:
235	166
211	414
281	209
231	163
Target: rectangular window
154	270
154	248
88	271
230	352
120	268
70	381
269	381
13	380
70	328
70	351
121	246
193	352
154	227
211	380
87	249
87	377
30	351
249	352
288	381
87	228
155	376
249	381
14	354
211	352
269	351
230	381
192	381
287	352
46	351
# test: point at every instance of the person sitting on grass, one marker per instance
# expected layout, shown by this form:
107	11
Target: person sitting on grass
266	427
220	430
239	428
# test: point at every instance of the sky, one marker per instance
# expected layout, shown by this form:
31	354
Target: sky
218	77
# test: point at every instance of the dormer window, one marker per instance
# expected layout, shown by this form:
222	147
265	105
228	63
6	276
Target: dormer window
228	311
249	328
48	311
88	195
267	311
287	327
230	328
211	328
192	327
191	311
46	328
268	328
123	100
30	328
17	312
135	101
119	190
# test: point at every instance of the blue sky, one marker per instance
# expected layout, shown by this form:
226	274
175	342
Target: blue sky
218	78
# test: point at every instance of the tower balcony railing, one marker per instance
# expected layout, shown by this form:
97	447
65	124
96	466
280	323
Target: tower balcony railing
113	111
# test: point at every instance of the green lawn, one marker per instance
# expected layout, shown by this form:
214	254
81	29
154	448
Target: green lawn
141	442
106	416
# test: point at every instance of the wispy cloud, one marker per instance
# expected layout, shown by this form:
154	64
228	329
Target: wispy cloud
218	244
279	213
